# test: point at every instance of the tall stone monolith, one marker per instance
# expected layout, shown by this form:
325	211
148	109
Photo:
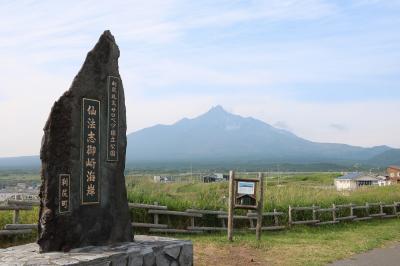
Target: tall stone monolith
83	195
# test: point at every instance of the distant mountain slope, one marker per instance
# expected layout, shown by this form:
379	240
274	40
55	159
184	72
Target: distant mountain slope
219	135
219	138
22	162
389	157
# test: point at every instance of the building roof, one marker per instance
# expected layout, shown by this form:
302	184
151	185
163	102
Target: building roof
215	175
394	167
218	175
381	177
350	176
358	176
246	195
367	178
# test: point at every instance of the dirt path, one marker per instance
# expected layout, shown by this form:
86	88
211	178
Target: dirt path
206	254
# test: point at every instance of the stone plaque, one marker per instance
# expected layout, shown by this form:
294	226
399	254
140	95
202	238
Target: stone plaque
113	118
90	151
64	192
77	141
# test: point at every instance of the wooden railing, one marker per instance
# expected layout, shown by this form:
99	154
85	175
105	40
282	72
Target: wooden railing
384	211
16	228
314	216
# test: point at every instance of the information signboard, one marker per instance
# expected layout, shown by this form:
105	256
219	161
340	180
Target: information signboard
246	188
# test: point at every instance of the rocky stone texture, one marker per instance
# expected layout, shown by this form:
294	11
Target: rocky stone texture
100	224
145	251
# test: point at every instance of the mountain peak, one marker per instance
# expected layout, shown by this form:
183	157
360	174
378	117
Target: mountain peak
217	114
217	109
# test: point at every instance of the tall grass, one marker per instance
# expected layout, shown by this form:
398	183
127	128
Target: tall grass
25	217
180	196
296	195
298	190
294	190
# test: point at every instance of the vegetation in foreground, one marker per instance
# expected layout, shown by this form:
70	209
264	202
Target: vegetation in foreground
298	246
294	190
303	189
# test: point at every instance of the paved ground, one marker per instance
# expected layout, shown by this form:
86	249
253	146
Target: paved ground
389	256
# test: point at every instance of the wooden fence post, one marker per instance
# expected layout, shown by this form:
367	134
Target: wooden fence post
231	204
351	210
260	206
223	220
290	216
192	221
155	215
334	212
314	213
16	216
250	220
276	221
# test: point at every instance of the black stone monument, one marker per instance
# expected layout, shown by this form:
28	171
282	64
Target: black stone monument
83	197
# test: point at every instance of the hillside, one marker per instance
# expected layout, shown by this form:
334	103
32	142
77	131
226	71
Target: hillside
221	139
389	157
221	136
22	162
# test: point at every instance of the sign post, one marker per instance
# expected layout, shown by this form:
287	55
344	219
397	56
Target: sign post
245	193
260	206
231	204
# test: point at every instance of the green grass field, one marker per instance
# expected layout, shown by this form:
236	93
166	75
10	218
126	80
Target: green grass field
295	190
297	246
303	189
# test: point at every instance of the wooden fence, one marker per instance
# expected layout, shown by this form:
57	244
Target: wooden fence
16	228
370	211
275	220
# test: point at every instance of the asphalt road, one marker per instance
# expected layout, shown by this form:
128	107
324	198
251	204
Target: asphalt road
389	256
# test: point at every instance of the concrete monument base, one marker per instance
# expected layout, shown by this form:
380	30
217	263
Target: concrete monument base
144	251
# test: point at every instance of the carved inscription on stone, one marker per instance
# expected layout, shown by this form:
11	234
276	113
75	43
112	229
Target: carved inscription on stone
90	152
113	118
64	193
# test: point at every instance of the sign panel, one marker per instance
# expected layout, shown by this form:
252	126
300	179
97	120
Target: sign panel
246	188
113	118
90	151
64	193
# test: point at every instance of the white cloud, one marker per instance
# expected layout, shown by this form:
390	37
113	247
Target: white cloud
367	123
339	127
43	44
29	99
29	96
274	10
282	125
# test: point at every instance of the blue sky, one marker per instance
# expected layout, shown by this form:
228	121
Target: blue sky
326	70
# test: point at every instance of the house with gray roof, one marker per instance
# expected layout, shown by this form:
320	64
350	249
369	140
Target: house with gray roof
352	181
